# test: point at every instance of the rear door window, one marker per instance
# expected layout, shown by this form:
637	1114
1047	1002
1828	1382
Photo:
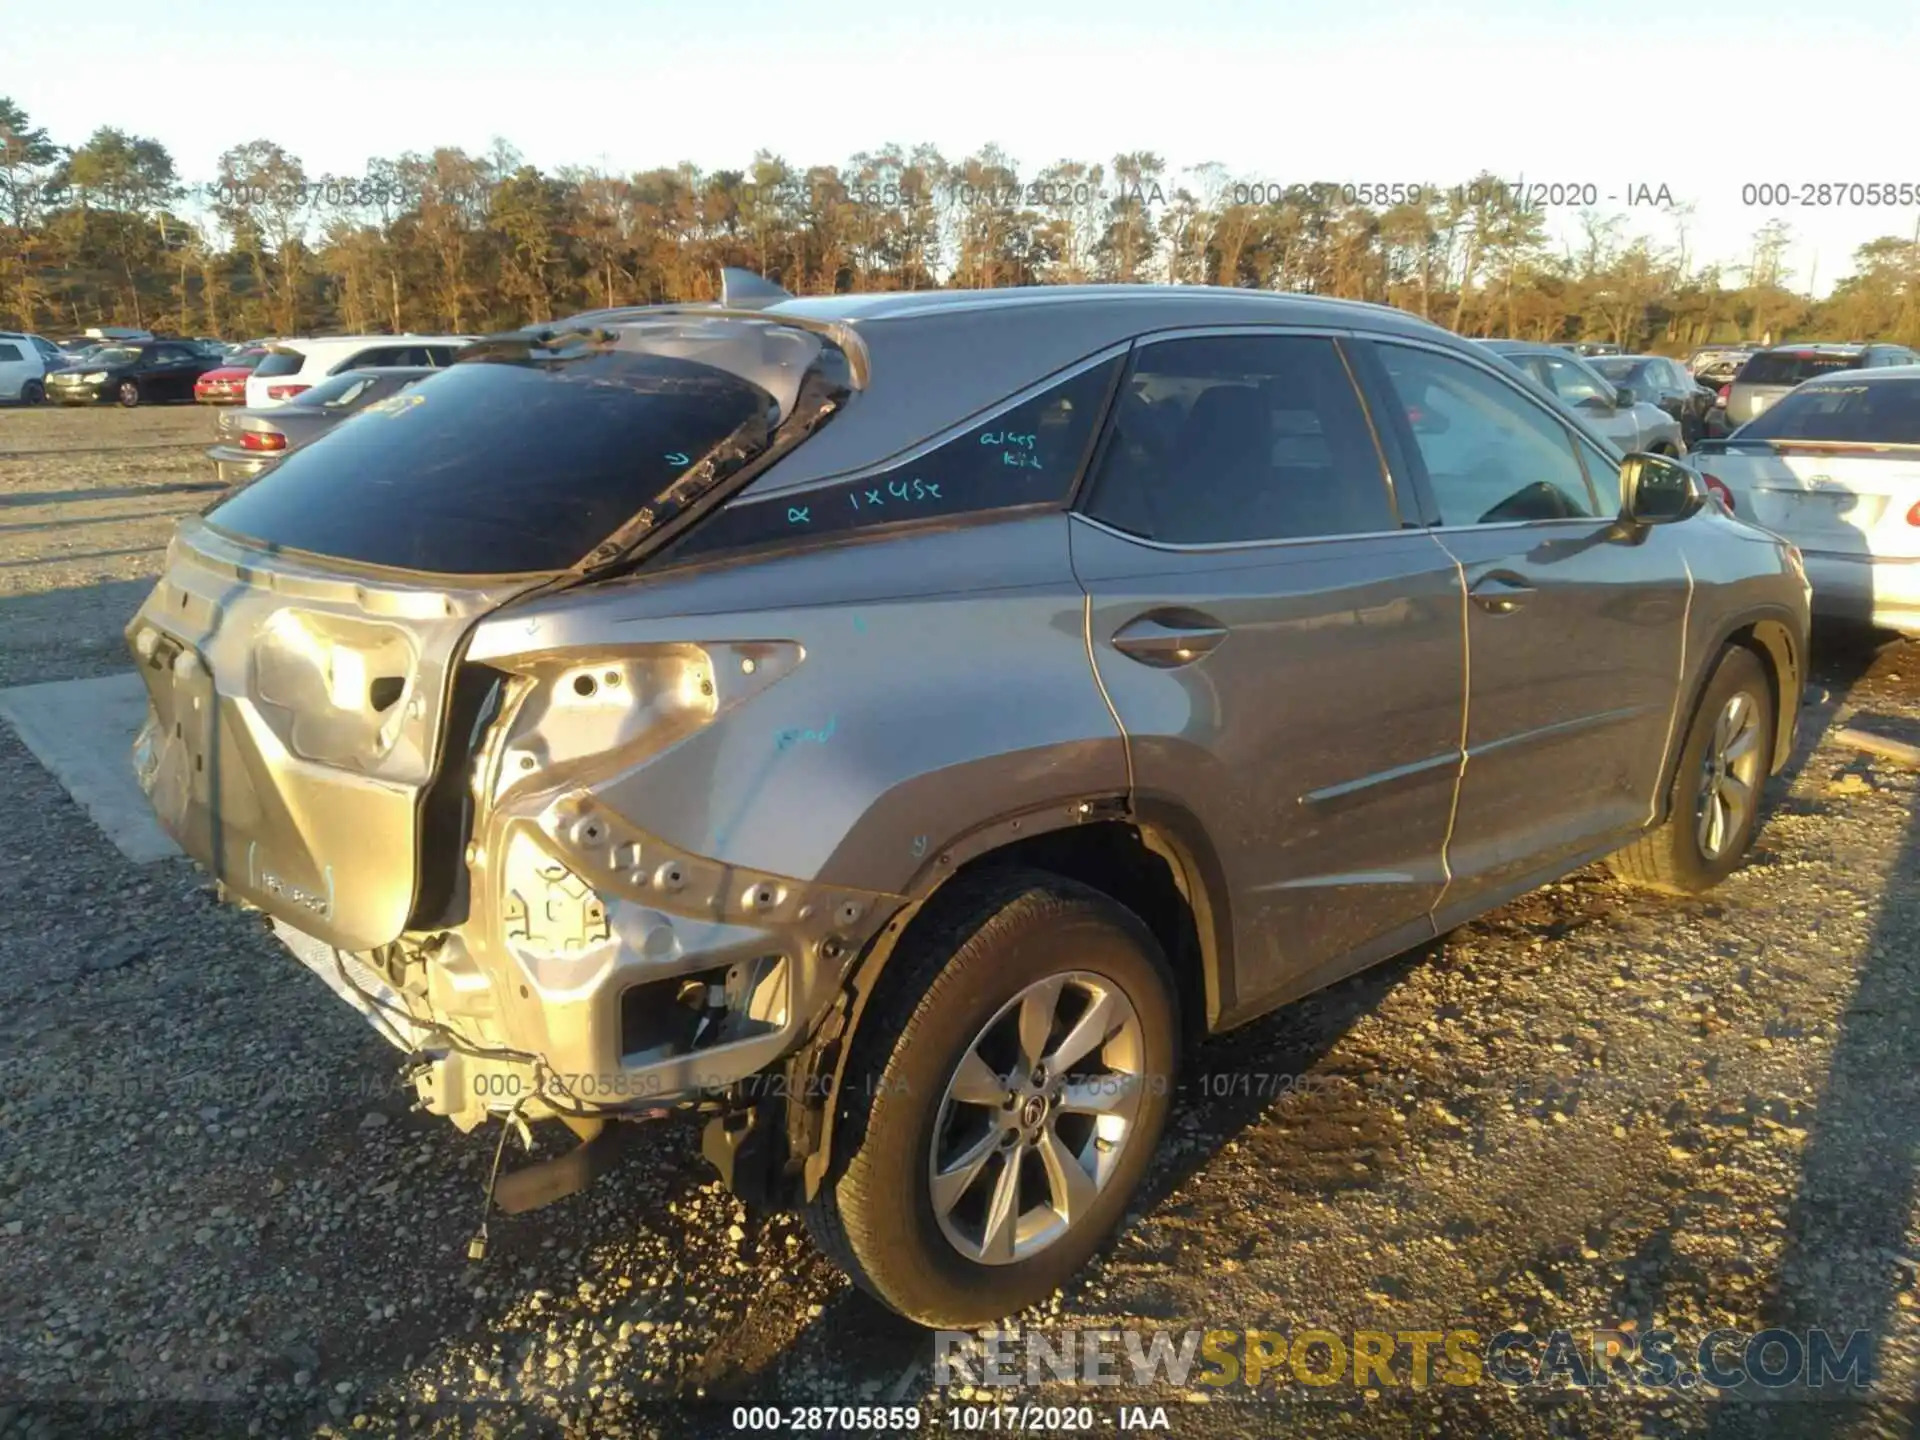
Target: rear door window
1029	454
9	353
1241	437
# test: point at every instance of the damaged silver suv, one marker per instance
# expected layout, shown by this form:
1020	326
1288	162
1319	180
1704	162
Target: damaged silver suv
895	724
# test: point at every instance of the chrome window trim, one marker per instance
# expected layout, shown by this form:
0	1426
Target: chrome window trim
1215	547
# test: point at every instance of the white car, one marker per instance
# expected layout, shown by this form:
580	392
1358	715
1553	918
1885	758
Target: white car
291	366
1834	467
24	360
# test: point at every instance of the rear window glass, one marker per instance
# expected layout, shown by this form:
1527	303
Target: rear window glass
1886	412
279	362
10	352
1027	455
338	391
499	465
1791	367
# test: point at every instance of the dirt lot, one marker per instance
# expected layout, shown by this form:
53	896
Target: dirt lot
1593	1107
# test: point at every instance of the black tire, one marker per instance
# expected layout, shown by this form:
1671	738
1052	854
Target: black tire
32	393
128	394
991	938
1672	858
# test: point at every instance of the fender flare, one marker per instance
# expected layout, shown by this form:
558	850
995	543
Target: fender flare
817	1070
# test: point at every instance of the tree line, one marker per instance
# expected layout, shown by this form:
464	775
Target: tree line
107	232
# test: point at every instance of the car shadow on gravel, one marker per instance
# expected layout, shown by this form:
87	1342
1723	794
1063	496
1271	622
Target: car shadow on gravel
1848	1263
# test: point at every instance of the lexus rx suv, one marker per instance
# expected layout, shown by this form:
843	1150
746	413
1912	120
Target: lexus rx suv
896	725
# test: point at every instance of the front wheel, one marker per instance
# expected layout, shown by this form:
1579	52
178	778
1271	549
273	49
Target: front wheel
1004	1095
129	394
1714	808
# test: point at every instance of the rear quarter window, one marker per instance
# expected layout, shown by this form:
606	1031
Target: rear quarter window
1030	454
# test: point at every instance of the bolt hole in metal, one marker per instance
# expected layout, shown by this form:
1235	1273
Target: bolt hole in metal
1729	777
584	685
1036	1117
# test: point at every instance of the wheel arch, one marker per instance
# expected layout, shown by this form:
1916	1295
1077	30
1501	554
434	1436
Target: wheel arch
1773	639
1153	858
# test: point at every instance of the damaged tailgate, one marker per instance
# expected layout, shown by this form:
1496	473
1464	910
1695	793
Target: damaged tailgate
295	718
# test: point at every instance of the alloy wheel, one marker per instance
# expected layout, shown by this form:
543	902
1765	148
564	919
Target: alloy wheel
1035	1117
1730	776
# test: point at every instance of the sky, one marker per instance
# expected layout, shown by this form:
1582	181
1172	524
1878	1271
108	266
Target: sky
1613	96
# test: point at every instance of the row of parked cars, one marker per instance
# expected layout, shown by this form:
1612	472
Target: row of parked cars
134	367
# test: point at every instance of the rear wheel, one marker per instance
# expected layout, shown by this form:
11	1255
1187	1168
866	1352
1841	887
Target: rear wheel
1004	1095
129	393
32	393
1714	808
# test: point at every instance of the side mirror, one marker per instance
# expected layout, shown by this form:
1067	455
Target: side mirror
1623	397
1655	490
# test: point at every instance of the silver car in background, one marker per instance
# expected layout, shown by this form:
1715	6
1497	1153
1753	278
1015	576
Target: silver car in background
1772	373
1632	422
250	442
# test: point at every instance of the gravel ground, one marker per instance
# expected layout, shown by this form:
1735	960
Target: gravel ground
1595	1106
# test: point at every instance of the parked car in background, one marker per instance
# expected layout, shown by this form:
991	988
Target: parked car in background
250	442
1716	365
226	384
1587	347
23	369
1834	466
553	722
1769	374
102	334
1631	422
131	374
1665	383
291	366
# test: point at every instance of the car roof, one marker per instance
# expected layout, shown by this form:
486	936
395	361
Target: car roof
1823	347
1266	306
377	370
354	342
927	359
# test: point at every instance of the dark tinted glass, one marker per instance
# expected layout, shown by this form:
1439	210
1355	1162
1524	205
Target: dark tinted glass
1886	412
497	466
1787	367
278	362
1241	437
1028	455
10	352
